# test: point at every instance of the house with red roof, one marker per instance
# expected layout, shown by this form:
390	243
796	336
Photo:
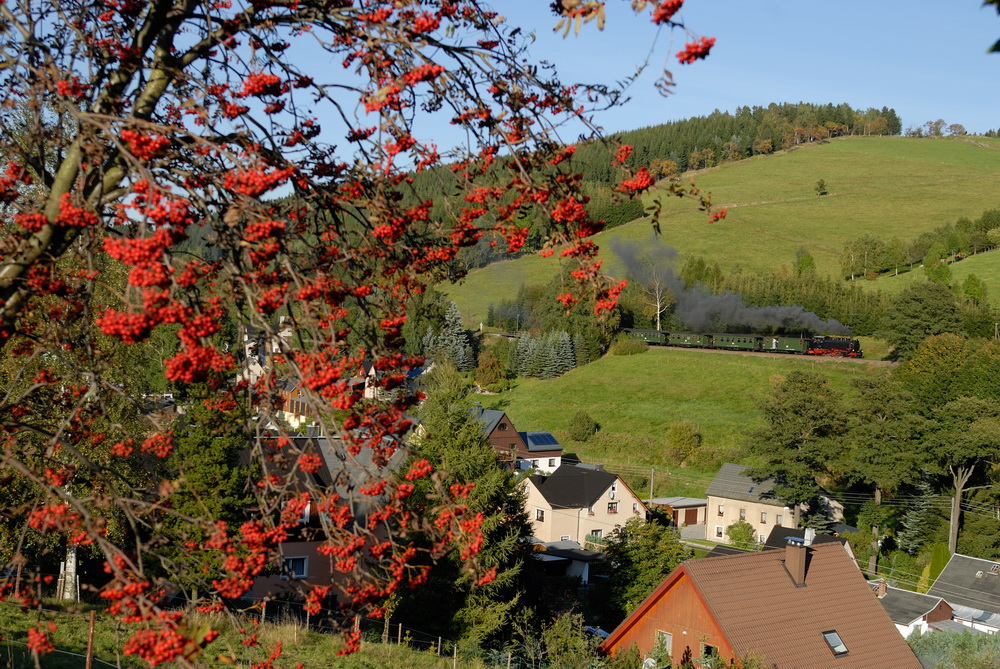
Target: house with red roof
804	606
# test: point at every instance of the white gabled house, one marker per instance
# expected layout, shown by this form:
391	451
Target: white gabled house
577	501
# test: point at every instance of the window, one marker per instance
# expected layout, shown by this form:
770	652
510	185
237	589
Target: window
552	462
502	426
540	515
722	510
778	519
664	643
763	516
534	463
293	567
835	643
709	650
761	538
743	514
612	507
597	533
718	531
590	511
635	507
564	537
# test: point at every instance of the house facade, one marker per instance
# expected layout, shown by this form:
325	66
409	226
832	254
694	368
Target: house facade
543	452
500	432
805	606
733	496
579	501
302	563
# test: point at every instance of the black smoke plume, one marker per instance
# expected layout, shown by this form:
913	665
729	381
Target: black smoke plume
702	310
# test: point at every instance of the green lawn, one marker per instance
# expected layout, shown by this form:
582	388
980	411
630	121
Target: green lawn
885	186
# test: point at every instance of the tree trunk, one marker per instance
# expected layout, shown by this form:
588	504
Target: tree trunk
873	559
960	476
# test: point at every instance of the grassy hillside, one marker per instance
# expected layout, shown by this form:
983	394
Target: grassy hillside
885	186
984	265
636	398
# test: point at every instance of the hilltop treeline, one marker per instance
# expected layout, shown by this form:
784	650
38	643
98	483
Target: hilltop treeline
705	141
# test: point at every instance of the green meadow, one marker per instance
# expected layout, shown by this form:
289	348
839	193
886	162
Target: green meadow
885	186
636	398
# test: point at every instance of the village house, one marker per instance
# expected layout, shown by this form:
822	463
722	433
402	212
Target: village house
971	586
733	496
543	452
302	565
500	432
804	606
579	501
911	611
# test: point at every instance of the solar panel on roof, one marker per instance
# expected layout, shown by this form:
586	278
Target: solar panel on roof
542	439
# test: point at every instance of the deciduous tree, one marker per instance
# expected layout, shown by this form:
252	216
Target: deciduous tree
640	555
804	420
152	121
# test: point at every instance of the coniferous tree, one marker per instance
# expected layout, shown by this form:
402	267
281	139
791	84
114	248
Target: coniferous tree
452	604
918	516
454	341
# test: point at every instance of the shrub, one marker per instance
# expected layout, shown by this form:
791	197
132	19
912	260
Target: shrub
683	439
582	427
628	346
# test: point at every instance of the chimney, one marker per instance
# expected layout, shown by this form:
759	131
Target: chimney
795	561
880	588
810	536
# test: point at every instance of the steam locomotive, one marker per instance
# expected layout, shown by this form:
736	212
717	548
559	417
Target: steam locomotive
841	347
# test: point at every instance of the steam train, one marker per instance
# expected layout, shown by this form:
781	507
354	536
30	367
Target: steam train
841	347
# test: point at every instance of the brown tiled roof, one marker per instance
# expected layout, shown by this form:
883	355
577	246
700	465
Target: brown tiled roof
762	611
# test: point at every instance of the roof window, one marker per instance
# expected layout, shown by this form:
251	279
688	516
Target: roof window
836	644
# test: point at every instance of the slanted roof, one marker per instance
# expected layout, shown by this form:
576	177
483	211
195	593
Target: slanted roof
541	442
569	550
488	417
905	607
762	612
971	583
572	486
779	537
732	483
724	549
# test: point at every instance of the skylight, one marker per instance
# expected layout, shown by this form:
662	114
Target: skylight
834	641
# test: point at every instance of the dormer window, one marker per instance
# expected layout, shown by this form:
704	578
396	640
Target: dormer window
835	642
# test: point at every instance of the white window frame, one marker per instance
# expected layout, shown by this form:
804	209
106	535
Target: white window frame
540	515
719	530
288	573
664	641
763	516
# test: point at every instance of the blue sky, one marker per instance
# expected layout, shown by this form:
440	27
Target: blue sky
927	60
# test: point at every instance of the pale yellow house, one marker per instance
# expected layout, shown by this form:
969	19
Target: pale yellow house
577	501
733	496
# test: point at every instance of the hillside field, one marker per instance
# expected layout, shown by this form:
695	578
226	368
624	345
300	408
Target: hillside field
636	398
885	186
